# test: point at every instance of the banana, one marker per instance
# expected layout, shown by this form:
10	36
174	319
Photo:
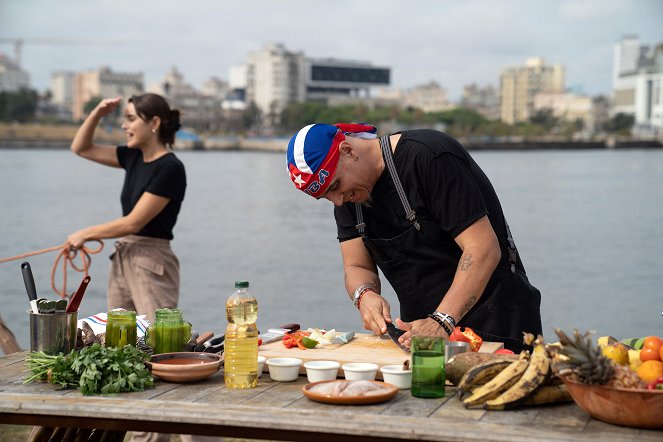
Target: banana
535	375
502	382
548	394
481	374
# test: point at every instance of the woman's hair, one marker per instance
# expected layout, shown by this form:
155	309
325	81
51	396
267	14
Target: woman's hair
149	106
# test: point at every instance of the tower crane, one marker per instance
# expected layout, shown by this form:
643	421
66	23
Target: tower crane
19	42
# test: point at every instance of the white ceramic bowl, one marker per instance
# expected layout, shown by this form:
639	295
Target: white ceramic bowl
321	370
395	375
283	369
261	364
360	371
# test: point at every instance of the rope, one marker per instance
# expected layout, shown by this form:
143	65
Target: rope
66	255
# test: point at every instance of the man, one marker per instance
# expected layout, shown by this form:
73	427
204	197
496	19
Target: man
416	205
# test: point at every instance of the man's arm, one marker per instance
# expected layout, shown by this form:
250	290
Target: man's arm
359	269
481	254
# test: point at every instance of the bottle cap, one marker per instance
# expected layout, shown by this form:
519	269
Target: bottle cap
241	284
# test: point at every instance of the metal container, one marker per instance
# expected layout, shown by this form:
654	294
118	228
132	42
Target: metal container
53	333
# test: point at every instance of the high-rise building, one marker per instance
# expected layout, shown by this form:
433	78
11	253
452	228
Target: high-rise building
12	77
429	97
637	83
103	83
484	100
519	85
62	88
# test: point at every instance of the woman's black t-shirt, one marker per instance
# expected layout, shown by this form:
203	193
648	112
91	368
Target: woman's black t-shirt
164	177
443	184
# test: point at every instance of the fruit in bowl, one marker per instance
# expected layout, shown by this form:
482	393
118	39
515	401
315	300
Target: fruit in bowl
605	390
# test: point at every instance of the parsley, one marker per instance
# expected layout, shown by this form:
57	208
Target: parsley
95	369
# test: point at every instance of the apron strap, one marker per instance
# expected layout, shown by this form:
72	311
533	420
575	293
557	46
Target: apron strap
410	214
513	253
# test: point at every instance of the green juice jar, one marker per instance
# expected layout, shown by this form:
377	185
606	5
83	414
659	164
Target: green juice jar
169	332
121	328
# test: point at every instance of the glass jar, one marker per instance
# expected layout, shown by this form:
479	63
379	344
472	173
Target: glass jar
169	332
121	328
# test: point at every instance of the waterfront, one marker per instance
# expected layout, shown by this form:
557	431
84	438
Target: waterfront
588	224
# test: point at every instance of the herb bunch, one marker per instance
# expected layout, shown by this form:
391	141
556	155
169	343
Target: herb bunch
95	369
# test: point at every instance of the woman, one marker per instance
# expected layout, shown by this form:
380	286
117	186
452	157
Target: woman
144	272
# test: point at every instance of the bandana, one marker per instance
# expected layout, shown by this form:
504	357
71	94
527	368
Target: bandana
313	154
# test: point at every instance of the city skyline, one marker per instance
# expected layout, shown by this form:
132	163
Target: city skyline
452	44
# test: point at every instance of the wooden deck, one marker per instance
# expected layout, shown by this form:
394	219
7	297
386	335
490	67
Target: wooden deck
279	411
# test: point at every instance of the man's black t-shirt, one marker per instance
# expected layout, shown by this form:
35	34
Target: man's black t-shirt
443	184
164	177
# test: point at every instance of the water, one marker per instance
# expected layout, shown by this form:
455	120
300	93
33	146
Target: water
589	226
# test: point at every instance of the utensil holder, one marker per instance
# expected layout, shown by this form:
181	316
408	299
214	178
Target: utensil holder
53	333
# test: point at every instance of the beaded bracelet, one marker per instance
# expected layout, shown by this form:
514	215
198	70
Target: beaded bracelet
445	321
448	318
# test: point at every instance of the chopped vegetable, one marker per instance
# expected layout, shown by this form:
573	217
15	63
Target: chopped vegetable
466	334
95	369
308	342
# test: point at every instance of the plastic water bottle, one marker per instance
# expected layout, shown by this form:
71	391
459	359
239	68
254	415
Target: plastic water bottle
241	342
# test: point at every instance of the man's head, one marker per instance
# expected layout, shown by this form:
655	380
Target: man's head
313	154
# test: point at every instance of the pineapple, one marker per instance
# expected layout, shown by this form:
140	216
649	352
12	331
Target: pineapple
579	358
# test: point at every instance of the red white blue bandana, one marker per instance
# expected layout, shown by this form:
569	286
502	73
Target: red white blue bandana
313	154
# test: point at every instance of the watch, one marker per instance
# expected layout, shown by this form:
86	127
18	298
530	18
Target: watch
359	292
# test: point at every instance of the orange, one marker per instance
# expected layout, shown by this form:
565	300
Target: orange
660	353
652	342
649	371
649	354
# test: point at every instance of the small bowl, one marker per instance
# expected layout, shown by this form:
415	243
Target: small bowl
184	366
629	407
321	370
261	364
360	371
283	369
395	375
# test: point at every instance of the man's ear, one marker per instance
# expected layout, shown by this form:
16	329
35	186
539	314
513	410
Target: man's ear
346	149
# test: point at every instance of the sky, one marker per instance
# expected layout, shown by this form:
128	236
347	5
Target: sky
454	43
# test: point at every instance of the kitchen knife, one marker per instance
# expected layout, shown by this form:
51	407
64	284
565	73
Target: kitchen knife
395	333
75	300
29	281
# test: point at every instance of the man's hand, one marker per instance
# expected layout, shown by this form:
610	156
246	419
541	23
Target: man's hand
424	327
375	312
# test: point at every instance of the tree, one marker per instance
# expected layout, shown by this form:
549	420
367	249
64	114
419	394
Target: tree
18	106
620	124
91	104
544	118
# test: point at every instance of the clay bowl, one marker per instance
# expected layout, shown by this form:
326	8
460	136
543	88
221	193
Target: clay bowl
184	366
620	406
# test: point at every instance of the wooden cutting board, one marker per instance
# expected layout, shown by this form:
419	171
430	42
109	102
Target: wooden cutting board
363	348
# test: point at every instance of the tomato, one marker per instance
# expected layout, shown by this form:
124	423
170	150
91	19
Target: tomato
653	342
649	354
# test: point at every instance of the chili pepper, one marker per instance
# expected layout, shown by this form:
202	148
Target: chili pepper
466	334
656	384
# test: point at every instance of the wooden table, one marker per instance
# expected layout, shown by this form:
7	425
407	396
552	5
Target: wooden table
275	410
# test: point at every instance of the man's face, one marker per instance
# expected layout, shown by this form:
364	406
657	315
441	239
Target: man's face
349	183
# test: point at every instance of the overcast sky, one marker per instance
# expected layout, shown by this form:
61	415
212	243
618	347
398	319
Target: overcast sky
452	42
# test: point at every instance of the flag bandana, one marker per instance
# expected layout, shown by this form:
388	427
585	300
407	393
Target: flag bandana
313	154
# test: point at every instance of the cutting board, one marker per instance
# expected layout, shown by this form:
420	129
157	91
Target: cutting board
363	348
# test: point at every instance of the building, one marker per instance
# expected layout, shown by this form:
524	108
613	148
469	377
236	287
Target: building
483	100
276	77
637	82
198	110
100	83
520	84
567	107
12	77
429	97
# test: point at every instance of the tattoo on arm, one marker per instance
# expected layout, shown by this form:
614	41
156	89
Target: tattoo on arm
465	262
468	305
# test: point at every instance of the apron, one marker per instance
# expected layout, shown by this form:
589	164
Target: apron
421	273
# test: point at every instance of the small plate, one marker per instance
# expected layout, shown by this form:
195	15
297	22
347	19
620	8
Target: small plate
184	366
383	392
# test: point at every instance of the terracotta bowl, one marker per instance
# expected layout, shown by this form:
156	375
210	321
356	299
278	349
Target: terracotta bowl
184	366
620	406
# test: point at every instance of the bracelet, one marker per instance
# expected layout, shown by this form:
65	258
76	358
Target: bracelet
444	320
359	292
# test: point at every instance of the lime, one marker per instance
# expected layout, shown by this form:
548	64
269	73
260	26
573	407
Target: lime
308	342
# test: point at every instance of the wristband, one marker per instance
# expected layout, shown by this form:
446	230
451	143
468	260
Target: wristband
443	320
360	292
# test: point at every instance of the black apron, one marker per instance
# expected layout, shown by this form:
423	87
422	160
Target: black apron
421	274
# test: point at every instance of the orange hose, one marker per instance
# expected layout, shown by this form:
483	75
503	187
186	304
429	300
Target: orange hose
67	256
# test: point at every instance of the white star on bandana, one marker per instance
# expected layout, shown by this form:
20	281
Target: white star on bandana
299	181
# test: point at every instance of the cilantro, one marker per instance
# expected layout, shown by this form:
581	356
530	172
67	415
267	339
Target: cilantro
95	369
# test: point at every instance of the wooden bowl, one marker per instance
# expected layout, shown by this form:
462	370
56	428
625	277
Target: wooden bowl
184	366
620	406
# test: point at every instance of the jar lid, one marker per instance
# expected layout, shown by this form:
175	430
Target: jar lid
241	284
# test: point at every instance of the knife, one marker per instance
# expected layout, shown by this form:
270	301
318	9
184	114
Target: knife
395	333
29	281
75	300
